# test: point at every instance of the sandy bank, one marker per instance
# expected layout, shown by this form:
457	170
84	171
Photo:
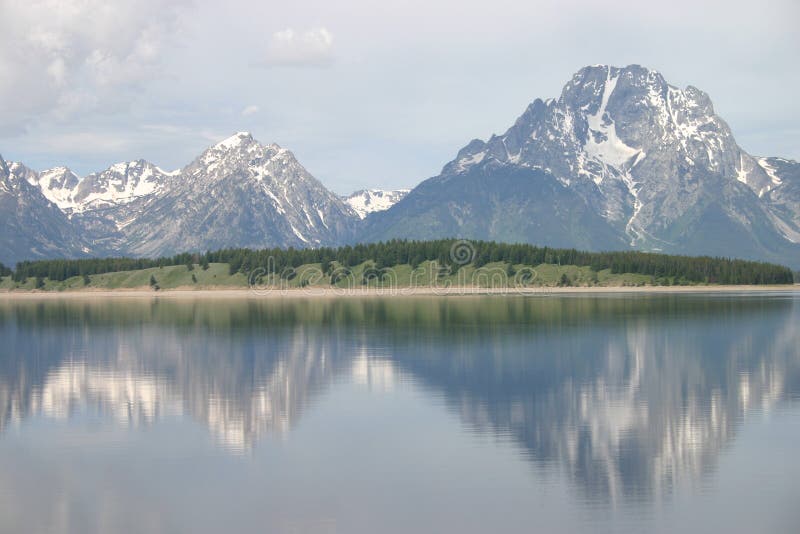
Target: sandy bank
246	293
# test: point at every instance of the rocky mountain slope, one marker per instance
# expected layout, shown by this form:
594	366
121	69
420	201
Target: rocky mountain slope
784	197
32	227
621	159
238	193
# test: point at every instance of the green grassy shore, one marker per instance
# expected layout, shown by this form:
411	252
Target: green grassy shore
218	276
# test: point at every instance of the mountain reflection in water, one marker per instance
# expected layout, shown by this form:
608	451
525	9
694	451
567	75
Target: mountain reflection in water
627	395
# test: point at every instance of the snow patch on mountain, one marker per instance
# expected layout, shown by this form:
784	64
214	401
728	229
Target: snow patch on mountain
57	185
241	143
121	183
786	230
770	170
602	141
368	201
234	141
298	234
468	161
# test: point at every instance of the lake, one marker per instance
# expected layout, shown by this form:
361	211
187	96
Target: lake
571	413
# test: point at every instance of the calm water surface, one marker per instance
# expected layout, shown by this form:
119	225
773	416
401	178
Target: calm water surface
469	414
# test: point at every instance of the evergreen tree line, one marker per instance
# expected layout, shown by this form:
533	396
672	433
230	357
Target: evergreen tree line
681	269
61	269
4	271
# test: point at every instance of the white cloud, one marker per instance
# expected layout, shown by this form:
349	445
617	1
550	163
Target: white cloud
59	58
288	47
250	110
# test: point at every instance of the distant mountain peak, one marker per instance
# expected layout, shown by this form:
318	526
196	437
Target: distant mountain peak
366	201
57	184
33	226
609	120
121	183
651	164
236	140
240	146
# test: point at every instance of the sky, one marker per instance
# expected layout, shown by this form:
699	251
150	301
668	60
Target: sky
366	94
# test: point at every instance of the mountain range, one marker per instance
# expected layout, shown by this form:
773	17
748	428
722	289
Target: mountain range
621	160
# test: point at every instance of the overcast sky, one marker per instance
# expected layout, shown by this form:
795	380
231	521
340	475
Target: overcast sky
365	93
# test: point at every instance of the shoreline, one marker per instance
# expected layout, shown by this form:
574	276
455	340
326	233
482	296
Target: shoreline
260	293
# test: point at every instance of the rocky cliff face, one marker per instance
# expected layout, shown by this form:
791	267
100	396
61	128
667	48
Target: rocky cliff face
783	196
33	227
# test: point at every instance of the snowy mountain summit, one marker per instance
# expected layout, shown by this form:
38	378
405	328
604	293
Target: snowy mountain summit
368	201
242	193
119	184
632	135
638	163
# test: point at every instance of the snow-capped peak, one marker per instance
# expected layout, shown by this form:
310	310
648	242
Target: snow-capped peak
234	141
368	201
240	144
57	185
119	184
